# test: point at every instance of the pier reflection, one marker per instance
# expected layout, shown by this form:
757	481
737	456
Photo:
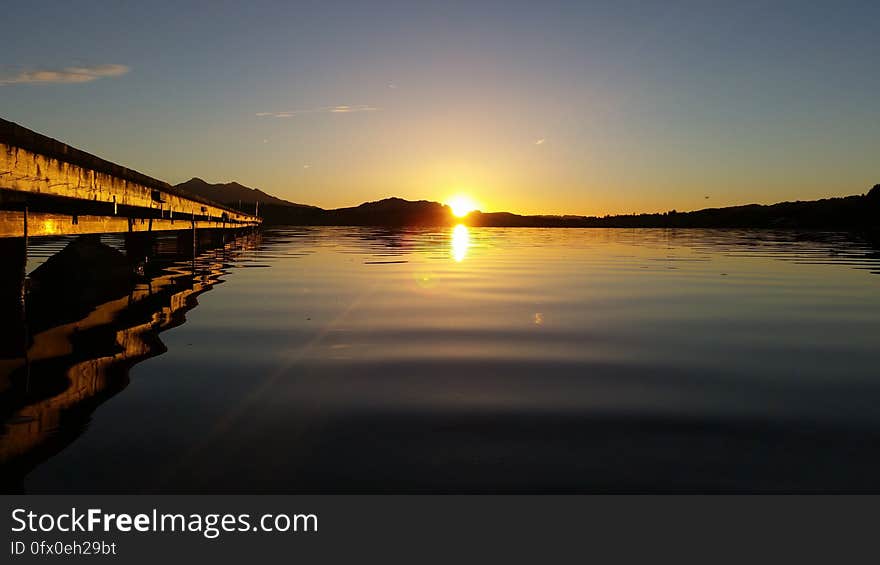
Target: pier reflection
88	314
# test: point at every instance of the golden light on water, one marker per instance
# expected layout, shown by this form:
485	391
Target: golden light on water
461	205
461	241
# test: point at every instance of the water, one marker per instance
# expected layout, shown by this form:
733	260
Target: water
469	360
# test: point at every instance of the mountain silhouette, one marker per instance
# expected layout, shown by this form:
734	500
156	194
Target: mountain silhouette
231	193
848	212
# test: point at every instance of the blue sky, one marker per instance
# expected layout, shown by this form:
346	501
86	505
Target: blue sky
570	107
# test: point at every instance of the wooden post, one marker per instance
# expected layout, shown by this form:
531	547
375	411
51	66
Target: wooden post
195	240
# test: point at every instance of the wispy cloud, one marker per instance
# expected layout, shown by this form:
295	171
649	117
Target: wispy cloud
358	108
70	75
541	141
341	109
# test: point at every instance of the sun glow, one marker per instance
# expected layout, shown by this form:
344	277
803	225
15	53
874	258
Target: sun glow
461	205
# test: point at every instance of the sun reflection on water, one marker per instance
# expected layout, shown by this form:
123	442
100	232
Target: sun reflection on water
461	241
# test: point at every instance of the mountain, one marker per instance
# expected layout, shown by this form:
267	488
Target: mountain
387	212
849	212
232	193
394	212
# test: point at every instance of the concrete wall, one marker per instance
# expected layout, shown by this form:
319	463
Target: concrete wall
32	164
24	171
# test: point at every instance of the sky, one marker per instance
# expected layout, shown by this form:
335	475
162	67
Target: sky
531	107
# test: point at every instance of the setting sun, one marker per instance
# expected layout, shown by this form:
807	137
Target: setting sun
461	205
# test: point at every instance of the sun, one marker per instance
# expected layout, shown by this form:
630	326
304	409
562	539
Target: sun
461	205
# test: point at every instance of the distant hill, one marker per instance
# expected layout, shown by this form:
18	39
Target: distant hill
232	193
394	212
387	212
849	212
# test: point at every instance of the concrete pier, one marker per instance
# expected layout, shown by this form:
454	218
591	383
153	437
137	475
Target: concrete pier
68	191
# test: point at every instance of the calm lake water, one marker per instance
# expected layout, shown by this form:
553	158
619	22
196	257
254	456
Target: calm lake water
452	360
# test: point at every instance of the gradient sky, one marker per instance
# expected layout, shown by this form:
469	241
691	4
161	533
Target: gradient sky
556	107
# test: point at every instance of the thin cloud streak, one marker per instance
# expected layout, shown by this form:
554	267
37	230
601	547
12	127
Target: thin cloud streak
69	75
341	109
